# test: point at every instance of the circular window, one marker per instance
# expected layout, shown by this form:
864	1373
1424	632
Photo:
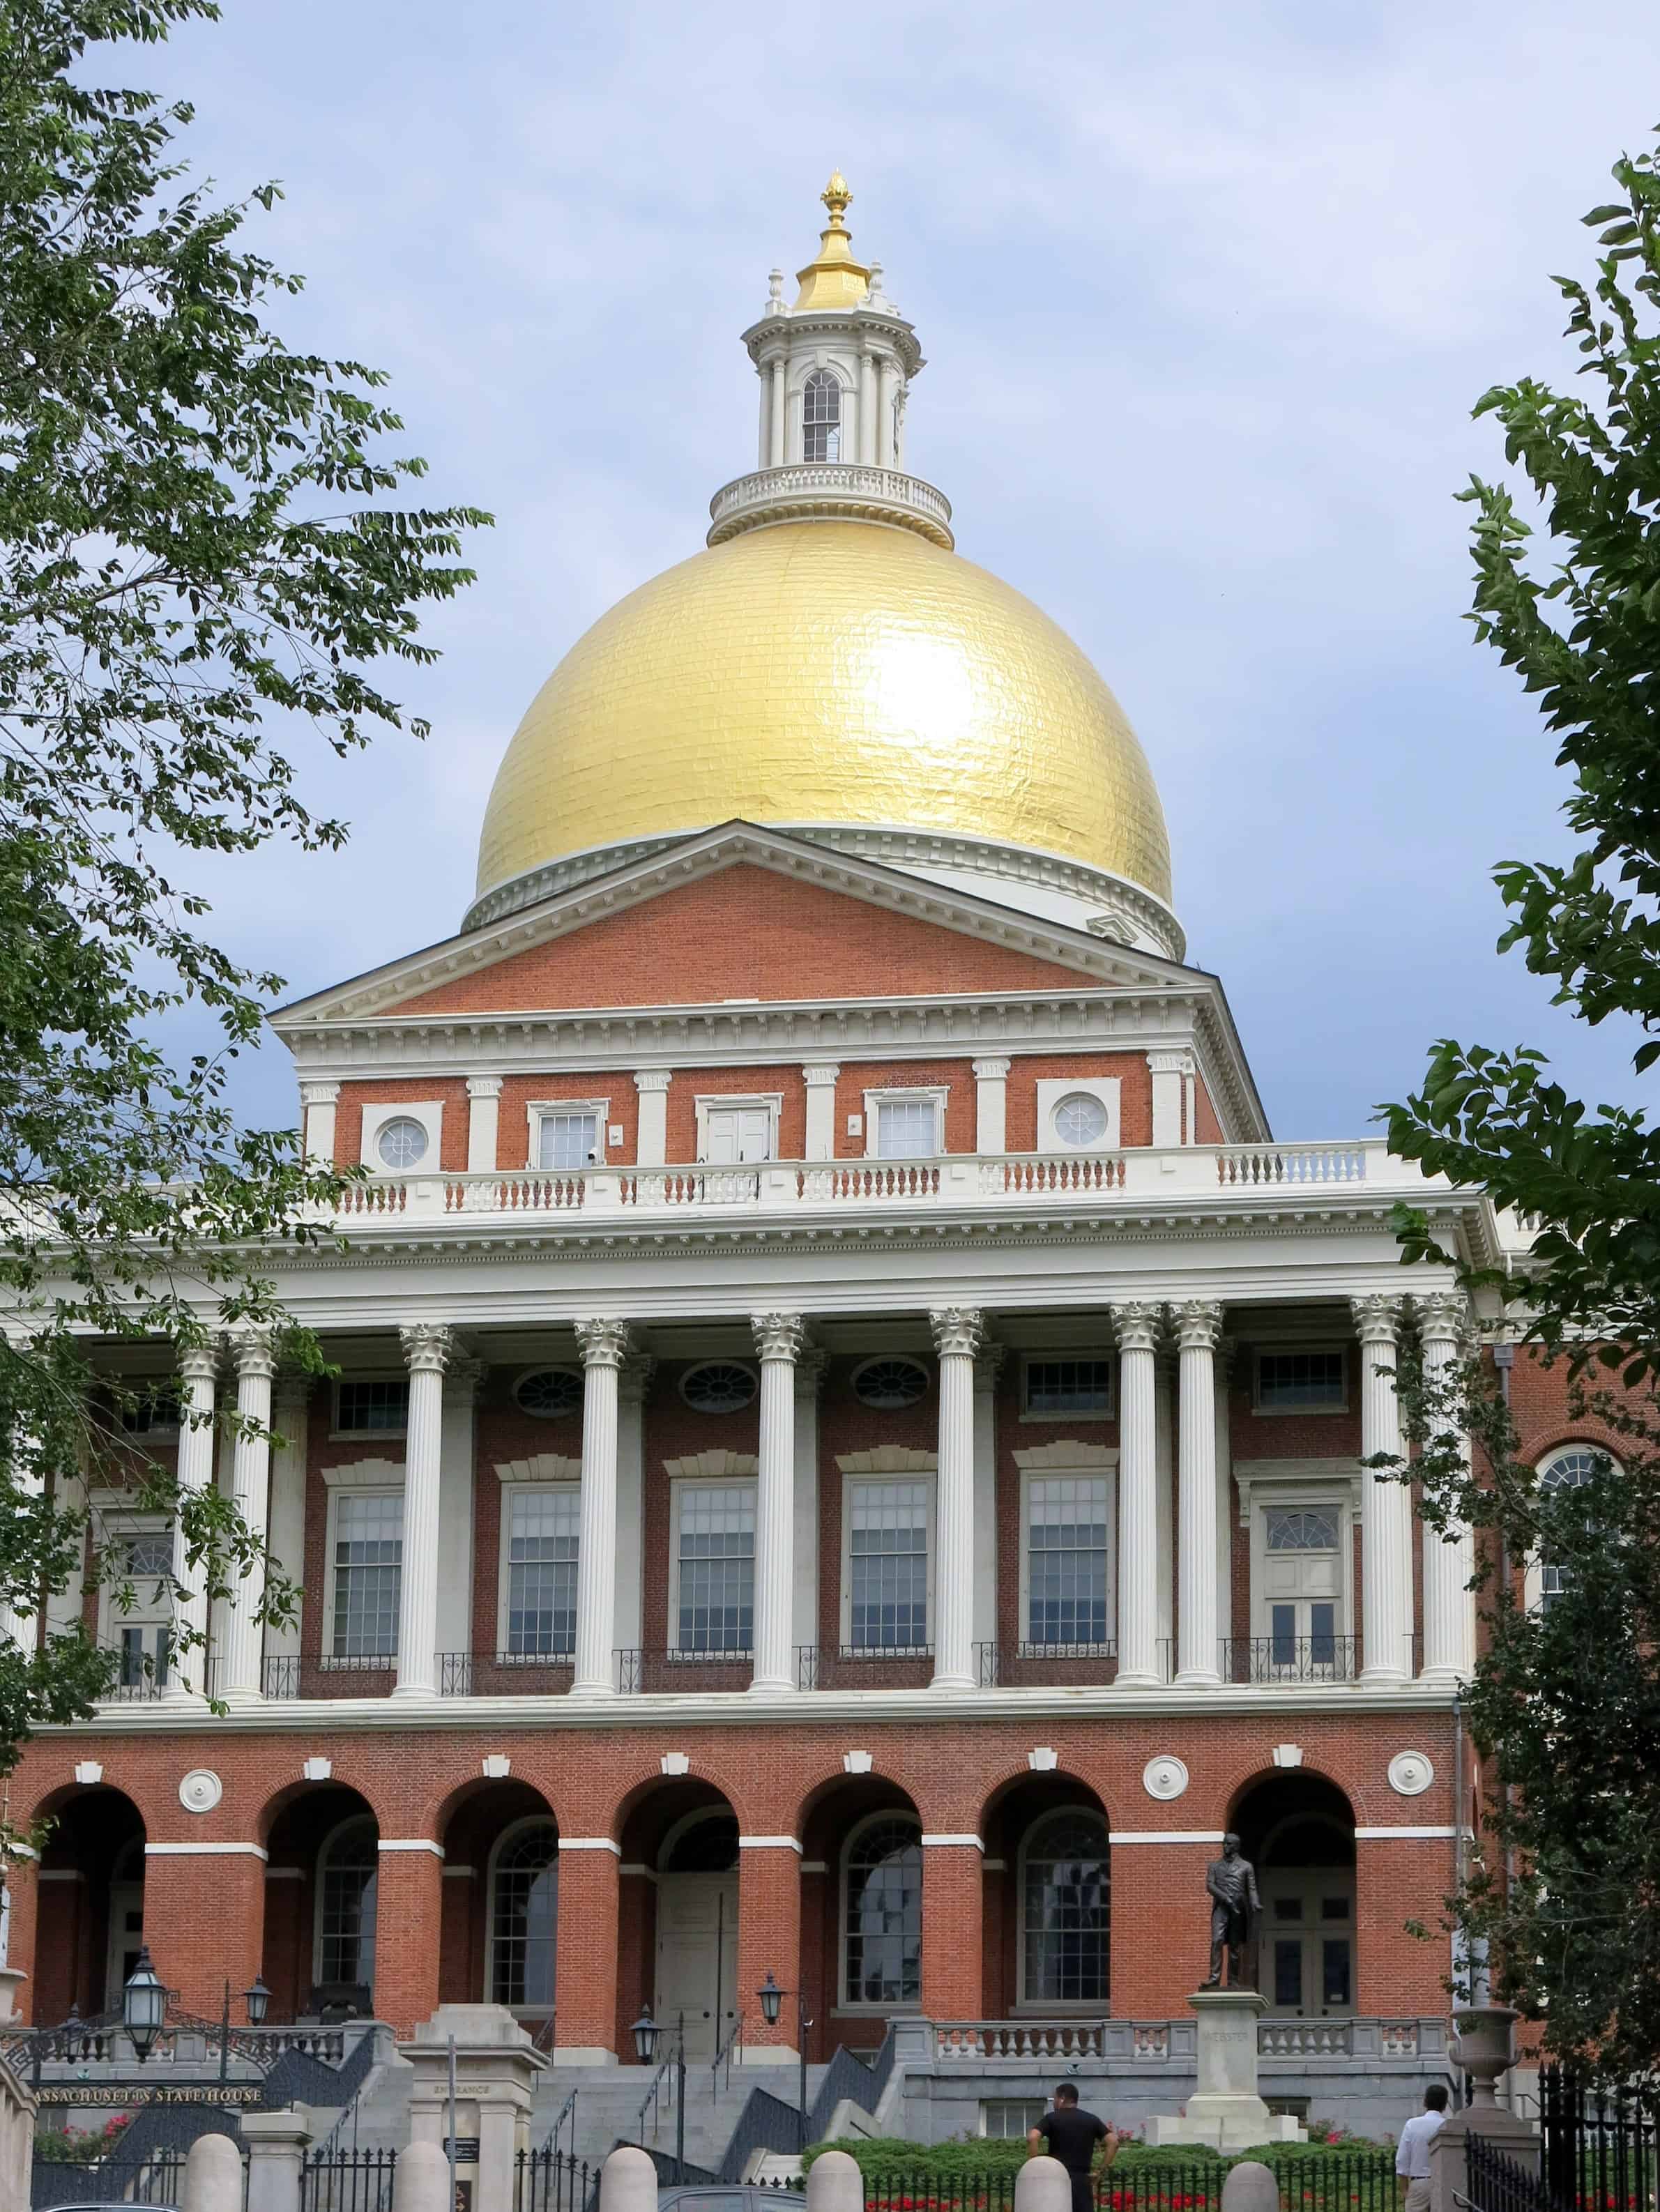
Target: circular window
888	1384
402	1143
548	1392
719	1387
1080	1120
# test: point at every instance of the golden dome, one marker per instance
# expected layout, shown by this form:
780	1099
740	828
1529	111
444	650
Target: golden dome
826	673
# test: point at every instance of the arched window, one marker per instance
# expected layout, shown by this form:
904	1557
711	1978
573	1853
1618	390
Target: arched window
346	1893
882	1915
1571	1468
821	417
1065	1910
525	1917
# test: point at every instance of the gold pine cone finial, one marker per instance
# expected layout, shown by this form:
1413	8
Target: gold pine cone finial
836	197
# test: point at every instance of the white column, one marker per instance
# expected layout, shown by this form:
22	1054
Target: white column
1385	1506
1167	1070
1137	1324
243	1649
809	1381
483	1112
1448	1560
867	407
1198	1325
820	1079
778	1338
317	1105
988	1368
198	1369
287	1533
633	1382
429	1347
453	1620
18	1623
651	1146
764	450
991	1095
603	1346
774	440
1224	1517
958	1332
888	372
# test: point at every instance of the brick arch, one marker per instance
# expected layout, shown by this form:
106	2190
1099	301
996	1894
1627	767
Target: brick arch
97	1828
1057	1779
470	1826
296	1825
1257	1777
1013	1809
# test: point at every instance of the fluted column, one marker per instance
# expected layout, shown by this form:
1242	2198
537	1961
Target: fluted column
775	458
1137	1322
1449	1559
958	1332
778	1339
198	1373
1385	1506
603	1346
18	1622
255	1361
1198	1325
887	377
428	1348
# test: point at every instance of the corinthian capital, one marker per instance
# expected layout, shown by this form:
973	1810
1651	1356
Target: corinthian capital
1443	1316
779	1335
429	1347
199	1363
958	1331
253	1351
1376	1318
1198	1324
602	1342
1137	1323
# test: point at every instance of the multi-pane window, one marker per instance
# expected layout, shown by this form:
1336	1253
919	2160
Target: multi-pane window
368	1553
888	1542
1303	1530
376	1406
905	1129
1068	1386
524	1919
882	1931
1080	1120
1301	1382
1009	2119
1067	1558
1568	1470
145	1637
1065	1902
821	417
542	1544
346	1906
569	1141
153	1413
1302	1588
402	1143
716	1606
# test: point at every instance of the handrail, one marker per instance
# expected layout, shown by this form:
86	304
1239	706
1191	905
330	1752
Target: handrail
723	2057
550	2142
653	2101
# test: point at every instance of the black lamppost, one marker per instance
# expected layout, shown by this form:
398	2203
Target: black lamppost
143	2005
257	1998
645	2033
772	1998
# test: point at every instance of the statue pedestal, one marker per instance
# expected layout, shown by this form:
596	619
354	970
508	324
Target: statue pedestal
1226	2111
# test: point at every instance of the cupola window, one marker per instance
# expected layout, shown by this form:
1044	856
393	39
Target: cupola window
821	417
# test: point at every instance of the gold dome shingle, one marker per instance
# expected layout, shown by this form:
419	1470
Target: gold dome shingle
826	672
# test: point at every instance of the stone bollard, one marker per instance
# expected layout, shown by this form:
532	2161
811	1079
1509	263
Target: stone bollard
1043	2185
213	2175
628	2182
835	2184
1251	2187
421	2180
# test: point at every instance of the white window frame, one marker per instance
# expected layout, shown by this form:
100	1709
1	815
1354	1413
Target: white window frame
381	1477
541	1110
1108	1412
116	1522
1067	2007
1105	1090
1036	2106
336	1434
771	1103
907	1095
1281	1496
1259	1352
512	1829
517	1487
678	1485
1533	1573
142	1386
864	2007
795	427
429	1113
928	1477
1092	1462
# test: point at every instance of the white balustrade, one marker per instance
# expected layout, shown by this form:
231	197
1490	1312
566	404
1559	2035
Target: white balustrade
974	2041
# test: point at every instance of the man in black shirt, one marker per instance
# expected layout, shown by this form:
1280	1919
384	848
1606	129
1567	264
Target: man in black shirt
1076	2138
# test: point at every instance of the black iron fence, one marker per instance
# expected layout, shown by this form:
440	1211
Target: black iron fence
1494	2182
1597	2147
158	2180
347	2181
1364	2182
545	2182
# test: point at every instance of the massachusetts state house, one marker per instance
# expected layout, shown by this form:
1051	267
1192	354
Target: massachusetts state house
846	1462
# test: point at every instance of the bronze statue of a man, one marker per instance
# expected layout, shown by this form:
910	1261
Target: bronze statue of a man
1231	1881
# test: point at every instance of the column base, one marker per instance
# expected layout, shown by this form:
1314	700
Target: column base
1384	1677
1442	1677
243	1695
593	1692
1138	1678
772	1686
964	1681
415	1689
1196	1678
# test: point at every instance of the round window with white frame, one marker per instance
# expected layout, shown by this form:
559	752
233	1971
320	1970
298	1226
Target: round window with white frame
401	1143
718	1386
888	1385
1080	1121
549	1393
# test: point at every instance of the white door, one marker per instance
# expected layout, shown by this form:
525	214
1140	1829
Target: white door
1307	1943
126	1940
739	1135
697	1960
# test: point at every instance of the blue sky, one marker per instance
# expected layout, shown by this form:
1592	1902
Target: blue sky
1207	292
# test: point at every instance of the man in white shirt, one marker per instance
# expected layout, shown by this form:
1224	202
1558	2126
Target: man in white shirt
1411	2156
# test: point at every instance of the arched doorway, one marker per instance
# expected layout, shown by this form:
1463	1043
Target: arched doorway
861	1910
500	1936
1297	1830
322	1904
91	1923
1049	1900
684	1840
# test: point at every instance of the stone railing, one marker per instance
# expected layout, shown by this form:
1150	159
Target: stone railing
803	490
987	2041
1359	2040
967	1181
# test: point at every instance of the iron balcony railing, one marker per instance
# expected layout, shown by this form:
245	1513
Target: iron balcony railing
1040	1666
839	1667
504	1673
640	1671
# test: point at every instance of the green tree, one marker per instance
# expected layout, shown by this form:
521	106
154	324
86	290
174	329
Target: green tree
1565	1888
200	558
